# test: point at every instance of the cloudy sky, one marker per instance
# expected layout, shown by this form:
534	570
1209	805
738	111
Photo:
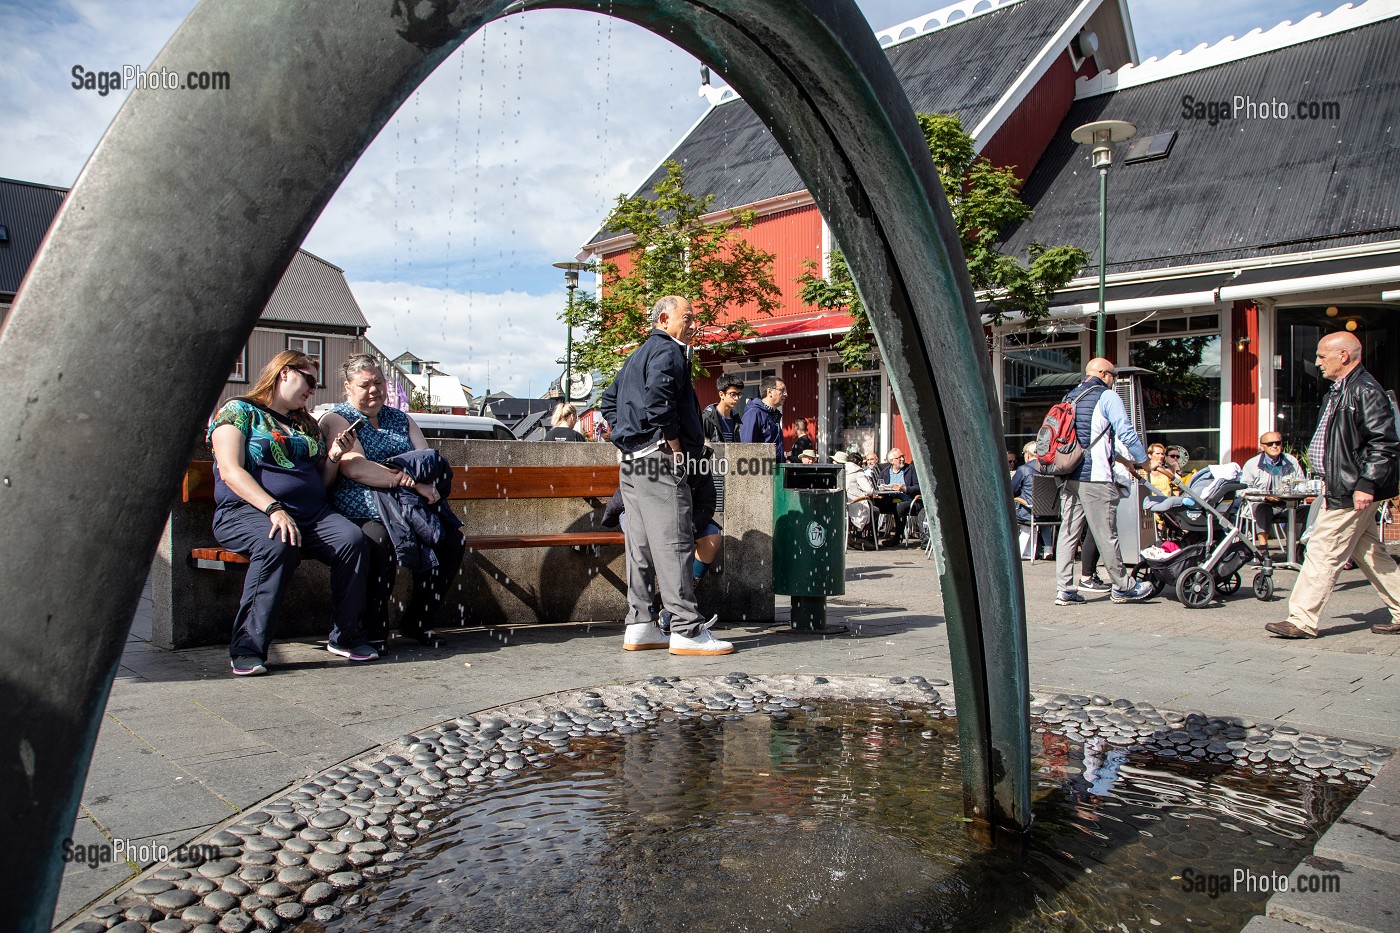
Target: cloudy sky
503	162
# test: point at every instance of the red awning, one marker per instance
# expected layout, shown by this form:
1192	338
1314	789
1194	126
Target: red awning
835	322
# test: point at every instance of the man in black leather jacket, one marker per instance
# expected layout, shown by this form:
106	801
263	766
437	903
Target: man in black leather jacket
1354	450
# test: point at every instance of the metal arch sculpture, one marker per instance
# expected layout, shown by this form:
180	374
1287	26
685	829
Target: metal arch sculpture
191	207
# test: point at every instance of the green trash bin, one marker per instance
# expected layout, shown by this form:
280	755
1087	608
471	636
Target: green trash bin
809	539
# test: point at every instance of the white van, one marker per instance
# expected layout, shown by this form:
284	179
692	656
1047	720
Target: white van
461	427
453	427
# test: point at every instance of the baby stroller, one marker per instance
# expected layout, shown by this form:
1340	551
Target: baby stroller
1211	548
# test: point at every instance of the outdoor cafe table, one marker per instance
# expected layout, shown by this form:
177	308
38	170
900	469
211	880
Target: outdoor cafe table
1295	501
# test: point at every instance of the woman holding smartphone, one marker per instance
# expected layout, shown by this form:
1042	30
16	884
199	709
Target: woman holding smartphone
380	434
271	469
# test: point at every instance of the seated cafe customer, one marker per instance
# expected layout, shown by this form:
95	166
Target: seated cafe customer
1270	473
898	477
271	468
1023	498
381	459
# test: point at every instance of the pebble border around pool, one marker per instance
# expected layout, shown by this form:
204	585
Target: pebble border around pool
305	852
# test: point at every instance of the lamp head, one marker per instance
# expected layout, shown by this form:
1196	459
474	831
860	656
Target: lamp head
1103	135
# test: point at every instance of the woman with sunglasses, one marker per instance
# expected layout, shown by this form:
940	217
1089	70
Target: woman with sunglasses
271	469
1159	470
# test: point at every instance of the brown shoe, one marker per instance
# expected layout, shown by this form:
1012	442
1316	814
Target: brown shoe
1287	629
1392	628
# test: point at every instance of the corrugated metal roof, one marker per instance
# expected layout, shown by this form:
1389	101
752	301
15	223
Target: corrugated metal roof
26	211
312	291
964	69
1245	187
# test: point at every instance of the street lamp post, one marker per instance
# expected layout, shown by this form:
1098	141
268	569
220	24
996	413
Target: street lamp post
1103	135
428	371
571	271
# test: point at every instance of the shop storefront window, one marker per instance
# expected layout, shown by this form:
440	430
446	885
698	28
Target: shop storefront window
1037	370
1299	388
852	412
1181	398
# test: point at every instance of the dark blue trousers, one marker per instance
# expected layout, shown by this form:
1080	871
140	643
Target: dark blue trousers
332	539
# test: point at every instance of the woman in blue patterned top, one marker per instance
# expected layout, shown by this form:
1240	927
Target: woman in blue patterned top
271	469
386	433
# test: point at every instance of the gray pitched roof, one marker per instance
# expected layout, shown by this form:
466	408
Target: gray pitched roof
314	292
964	68
26	211
311	292
1245	187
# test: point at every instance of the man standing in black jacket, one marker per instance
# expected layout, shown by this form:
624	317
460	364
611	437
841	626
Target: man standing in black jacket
1354	451
656	428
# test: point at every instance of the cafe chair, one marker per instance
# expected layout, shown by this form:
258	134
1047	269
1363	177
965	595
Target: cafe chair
1045	511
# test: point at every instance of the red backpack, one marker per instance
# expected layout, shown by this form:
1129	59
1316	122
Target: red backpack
1057	447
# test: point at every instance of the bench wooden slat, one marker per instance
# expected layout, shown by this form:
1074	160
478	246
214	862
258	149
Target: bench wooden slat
487	482
566	539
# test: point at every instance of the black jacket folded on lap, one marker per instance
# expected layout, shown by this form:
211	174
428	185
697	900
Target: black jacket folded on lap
414	526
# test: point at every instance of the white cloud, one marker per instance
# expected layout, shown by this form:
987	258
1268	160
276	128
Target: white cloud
510	338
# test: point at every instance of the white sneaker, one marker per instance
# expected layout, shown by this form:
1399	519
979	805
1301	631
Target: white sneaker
705	643
644	636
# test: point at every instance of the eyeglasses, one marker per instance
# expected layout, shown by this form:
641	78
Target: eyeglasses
734	394
1107	372
1272	443
1172	457
310	379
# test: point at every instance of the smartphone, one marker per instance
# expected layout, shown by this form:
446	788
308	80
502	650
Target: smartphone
356	425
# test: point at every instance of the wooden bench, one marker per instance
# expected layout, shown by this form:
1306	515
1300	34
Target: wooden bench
522	482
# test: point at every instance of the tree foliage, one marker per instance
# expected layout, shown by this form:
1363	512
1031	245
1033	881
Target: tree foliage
985	200
675	252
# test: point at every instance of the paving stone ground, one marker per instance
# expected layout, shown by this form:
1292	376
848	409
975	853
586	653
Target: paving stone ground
184	745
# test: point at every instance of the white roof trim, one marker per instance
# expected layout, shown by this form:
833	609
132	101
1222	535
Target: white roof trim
942	18
1026	80
1229	49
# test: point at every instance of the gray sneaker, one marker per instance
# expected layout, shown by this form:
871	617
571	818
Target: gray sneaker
1067	598
1094	584
1141	590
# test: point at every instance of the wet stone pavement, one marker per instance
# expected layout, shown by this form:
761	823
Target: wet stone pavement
184	746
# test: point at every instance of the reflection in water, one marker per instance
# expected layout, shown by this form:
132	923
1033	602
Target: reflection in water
845	817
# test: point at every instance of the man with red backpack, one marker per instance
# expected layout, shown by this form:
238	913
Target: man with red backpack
1088	495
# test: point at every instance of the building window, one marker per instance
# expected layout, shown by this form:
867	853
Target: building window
1181	396
1298	386
1036	371
240	367
852	408
753	379
311	346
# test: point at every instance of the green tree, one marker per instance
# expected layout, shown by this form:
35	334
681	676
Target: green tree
985	200
675	252
418	401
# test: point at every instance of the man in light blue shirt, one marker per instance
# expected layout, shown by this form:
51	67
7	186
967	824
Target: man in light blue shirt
1089	498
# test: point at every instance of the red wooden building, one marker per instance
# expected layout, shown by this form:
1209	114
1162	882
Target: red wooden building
1234	242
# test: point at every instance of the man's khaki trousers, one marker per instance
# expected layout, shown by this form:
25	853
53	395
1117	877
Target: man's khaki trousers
1338	534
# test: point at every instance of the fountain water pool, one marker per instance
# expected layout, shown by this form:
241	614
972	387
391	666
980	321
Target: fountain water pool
705	806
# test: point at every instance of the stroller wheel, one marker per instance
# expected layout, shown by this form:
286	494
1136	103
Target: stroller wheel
1230	585
1263	587
1195	587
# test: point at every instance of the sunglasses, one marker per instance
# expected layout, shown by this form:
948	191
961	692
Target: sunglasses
1273	443
1172	457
